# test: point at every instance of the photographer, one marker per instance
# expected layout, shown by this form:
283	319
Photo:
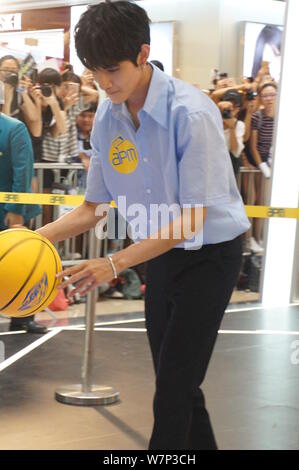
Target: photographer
234	129
17	102
74	98
53	115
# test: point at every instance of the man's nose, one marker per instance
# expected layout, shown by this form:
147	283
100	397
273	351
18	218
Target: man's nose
104	80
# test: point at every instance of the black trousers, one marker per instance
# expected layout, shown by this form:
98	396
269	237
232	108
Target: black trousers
187	293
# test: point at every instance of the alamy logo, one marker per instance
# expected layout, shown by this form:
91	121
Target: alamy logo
155	221
36	294
123	155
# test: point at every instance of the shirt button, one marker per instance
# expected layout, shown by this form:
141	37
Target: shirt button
148	191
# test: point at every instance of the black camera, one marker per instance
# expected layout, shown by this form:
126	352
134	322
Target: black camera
227	114
251	95
46	90
11	78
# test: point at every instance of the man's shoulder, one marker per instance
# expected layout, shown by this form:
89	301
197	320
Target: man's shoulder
189	99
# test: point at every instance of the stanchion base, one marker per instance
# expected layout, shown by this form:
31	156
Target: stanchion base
98	395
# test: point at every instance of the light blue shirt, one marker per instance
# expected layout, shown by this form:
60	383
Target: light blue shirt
178	155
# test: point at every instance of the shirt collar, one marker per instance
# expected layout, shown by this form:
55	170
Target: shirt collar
156	99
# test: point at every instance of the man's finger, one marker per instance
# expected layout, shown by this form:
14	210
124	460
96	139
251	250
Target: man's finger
70	271
76	277
83	287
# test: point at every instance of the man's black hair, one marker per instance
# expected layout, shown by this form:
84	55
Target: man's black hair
158	64
71	77
50	76
265	85
111	32
92	108
8	57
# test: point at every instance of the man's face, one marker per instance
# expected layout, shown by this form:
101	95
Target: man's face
119	82
85	121
7	66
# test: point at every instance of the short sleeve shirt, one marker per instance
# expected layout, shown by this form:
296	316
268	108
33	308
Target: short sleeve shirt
178	156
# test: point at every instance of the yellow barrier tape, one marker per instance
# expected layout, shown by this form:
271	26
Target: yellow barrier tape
263	212
266	212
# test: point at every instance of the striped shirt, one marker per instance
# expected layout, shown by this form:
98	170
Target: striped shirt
55	149
264	125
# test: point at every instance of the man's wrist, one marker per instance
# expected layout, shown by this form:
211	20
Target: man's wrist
119	261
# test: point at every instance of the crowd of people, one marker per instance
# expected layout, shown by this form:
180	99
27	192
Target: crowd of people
248	113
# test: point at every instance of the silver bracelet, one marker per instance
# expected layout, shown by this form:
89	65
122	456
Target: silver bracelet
112	266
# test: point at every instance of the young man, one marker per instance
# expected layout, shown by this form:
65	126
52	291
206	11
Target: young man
156	141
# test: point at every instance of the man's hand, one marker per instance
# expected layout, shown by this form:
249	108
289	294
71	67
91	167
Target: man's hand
13	220
87	275
230	123
70	100
87	78
25	83
36	94
250	106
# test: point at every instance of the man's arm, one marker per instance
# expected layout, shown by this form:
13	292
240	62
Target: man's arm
79	220
89	274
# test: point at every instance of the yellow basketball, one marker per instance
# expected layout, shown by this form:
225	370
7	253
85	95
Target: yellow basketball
28	267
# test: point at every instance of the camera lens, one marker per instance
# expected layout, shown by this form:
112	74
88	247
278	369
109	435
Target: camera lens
251	95
11	78
226	114
46	90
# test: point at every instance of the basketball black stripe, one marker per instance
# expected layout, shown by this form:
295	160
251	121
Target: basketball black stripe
53	287
29	275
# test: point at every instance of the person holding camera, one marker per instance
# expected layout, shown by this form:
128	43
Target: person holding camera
53	115
74	98
17	99
234	129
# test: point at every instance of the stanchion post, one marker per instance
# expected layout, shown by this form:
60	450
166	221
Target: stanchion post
86	393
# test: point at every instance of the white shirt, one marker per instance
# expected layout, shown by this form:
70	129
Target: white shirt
240	131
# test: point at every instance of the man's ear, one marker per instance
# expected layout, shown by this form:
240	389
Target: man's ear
143	54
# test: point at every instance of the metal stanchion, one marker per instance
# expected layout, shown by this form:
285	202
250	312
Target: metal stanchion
86	393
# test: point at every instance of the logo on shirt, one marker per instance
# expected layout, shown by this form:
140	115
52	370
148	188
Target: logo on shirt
123	155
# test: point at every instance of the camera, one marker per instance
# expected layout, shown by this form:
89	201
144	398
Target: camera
46	90
227	114
11	78
251	95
